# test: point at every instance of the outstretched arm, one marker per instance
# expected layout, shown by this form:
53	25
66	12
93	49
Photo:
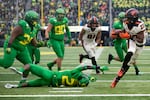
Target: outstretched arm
85	67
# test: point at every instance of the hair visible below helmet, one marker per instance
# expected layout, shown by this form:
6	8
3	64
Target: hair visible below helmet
84	81
132	15
93	23
60	13
121	15
31	17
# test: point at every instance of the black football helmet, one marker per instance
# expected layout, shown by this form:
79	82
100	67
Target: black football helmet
93	23
132	15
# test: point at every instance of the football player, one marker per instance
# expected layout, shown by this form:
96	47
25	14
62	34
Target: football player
137	31
70	78
120	43
55	32
15	45
90	36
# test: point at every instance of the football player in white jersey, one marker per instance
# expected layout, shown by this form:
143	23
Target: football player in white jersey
137	31
90	36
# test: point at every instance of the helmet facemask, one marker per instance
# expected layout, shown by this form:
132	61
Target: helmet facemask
132	15
32	18
83	81
93	23
60	14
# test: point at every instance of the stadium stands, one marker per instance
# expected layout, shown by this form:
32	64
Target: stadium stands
12	10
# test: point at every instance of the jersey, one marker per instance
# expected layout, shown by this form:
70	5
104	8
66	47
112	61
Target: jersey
58	29
89	35
67	78
22	40
139	27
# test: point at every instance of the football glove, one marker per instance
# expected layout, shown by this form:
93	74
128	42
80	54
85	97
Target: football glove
49	44
41	44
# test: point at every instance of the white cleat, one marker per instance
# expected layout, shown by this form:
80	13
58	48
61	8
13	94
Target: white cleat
15	70
8	86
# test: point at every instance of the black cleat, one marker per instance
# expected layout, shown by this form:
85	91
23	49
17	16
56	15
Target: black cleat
80	58
110	57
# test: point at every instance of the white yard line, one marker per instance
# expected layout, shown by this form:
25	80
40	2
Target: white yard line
77	95
141	81
65	91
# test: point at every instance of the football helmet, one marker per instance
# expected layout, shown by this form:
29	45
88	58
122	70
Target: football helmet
132	15
121	15
84	81
31	17
60	14
93	23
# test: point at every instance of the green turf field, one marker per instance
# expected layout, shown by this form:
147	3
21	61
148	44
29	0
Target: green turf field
131	86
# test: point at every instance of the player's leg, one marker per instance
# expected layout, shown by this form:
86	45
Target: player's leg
86	48
31	51
58	48
24	57
34	83
37	55
133	60
126	63
8	58
119	51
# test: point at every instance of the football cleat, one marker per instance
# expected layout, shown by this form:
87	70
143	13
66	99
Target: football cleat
97	71
8	86
114	83
103	68
50	65
15	70
110	57
80	58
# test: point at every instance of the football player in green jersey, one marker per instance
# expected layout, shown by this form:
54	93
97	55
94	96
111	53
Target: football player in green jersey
119	43
70	78
34	52
15	45
55	32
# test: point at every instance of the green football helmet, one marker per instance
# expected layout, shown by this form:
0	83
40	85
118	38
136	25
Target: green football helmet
84	81
121	15
32	17
60	14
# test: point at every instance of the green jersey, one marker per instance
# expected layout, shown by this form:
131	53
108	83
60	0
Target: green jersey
58	29
22	40
67	78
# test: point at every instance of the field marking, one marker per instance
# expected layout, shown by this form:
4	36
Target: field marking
69	88
141	81
65	91
77	95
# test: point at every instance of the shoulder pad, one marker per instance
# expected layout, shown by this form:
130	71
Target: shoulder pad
117	25
52	20
23	23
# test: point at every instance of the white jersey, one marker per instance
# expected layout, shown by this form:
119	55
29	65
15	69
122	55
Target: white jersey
89	35
88	38
136	29
135	47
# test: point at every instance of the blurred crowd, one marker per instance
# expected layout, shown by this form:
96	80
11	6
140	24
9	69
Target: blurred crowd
13	10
